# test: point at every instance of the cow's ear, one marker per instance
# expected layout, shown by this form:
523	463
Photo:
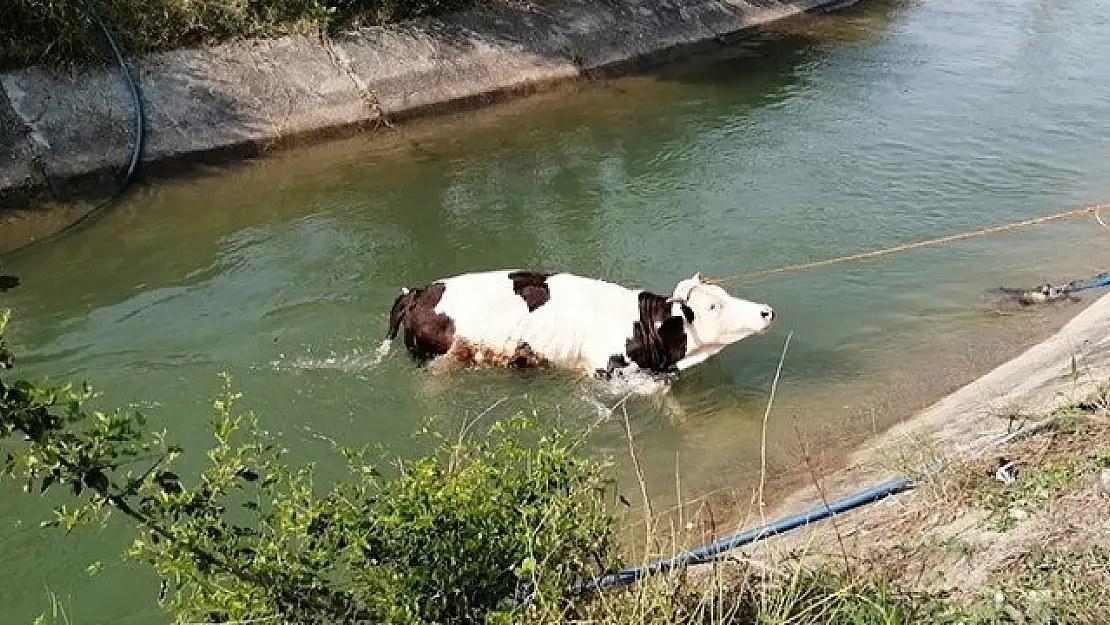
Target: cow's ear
687	312
698	278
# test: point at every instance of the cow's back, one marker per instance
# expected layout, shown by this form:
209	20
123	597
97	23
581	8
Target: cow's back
590	320
483	307
579	321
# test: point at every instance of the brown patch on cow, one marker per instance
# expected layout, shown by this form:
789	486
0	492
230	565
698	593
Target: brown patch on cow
656	348
532	287
427	333
525	358
470	354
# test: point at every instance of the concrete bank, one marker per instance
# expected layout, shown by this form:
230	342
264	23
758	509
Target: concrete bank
246	97
1064	369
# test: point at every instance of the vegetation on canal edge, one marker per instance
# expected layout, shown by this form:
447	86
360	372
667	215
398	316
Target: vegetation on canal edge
497	528
452	537
63	32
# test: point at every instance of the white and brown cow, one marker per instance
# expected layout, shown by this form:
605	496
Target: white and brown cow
526	318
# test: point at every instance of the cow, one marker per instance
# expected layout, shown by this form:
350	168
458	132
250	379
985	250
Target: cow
522	319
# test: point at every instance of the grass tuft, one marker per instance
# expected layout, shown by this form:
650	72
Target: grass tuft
1072	448
63	34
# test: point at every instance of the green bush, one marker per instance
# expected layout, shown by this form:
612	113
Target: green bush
455	536
62	32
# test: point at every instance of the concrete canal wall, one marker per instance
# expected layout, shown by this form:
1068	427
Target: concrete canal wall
245	97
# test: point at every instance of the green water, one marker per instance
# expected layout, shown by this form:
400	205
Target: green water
889	122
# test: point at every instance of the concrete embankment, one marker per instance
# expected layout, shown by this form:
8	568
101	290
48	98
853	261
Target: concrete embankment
1064	369
244	97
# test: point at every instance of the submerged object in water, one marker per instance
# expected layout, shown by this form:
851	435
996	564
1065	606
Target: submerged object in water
1038	295
1049	292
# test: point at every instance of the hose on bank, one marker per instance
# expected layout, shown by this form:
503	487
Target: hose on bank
137	146
706	553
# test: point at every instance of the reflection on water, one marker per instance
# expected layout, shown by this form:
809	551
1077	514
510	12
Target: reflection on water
887	123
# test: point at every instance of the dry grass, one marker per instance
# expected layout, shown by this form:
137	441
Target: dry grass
1037	546
60	33
963	547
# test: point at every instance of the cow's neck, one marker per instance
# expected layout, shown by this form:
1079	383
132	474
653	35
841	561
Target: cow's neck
658	338
697	353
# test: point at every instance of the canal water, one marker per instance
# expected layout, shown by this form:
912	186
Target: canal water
888	122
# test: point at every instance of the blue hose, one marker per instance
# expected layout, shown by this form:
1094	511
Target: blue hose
706	552
861	498
1097	282
137	149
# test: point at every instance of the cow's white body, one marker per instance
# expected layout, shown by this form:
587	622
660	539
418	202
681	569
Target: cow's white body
585	322
574	322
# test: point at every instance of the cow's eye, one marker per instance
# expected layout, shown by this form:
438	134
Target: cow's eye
712	307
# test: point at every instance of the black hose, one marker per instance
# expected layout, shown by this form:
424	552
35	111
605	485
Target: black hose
136	152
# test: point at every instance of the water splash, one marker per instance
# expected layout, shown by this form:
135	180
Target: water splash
356	361
638	383
622	387
382	351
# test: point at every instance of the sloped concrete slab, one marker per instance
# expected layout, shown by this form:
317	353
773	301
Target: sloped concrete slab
16	153
261	92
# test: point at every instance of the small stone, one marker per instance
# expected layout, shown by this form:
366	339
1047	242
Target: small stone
1018	514
1104	483
1040	596
1006	472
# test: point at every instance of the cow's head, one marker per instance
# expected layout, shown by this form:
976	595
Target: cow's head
719	319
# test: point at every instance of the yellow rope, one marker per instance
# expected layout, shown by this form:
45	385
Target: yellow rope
1094	208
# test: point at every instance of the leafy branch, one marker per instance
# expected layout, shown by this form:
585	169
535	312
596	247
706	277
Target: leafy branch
455	536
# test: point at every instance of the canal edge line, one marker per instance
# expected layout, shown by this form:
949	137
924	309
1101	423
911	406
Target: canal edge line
63	135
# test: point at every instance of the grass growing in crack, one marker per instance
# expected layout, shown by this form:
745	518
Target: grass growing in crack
1008	504
745	593
1073	446
1047	586
828	597
951	545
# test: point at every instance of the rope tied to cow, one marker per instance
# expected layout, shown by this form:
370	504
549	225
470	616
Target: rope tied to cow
1094	209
